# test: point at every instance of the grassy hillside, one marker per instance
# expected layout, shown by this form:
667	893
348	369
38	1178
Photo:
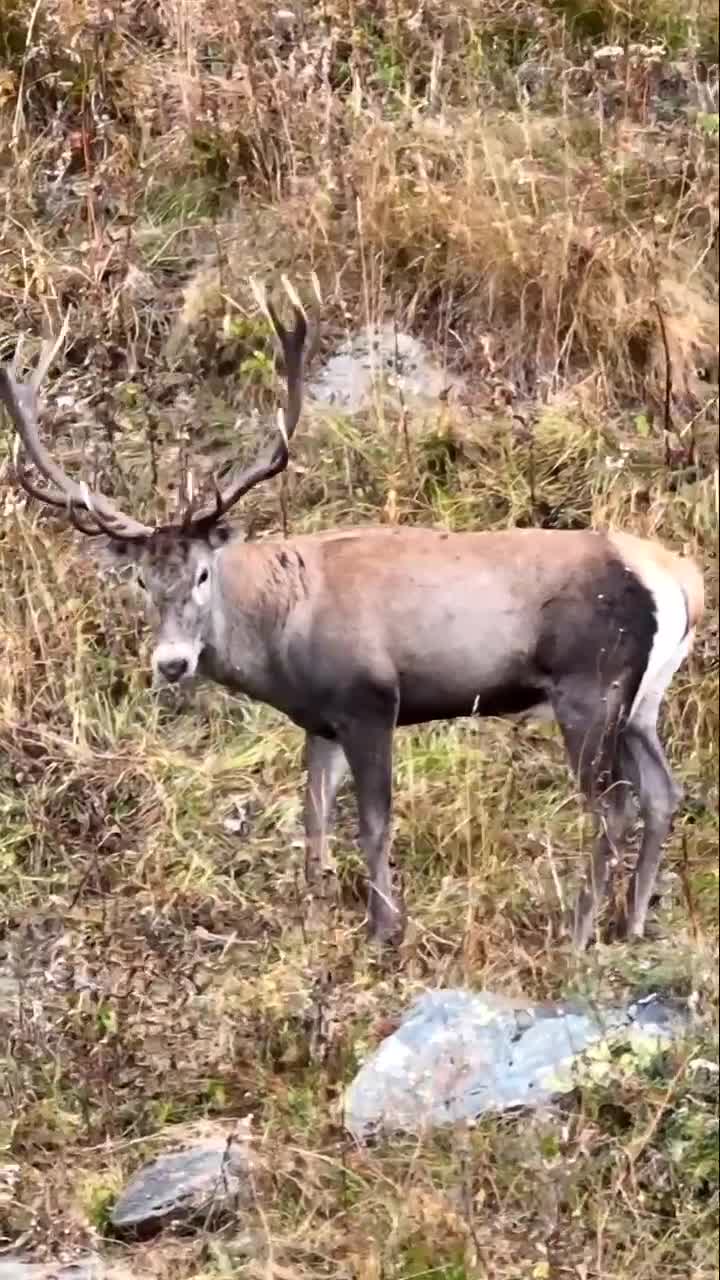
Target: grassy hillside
531	188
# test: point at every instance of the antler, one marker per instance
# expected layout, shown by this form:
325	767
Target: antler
275	457
21	402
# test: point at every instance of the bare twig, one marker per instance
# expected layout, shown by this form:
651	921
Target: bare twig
687	890
667	415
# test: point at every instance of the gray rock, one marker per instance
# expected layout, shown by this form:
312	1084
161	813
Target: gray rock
200	1186
87	1267
396	362
458	1054
90	1267
18	1269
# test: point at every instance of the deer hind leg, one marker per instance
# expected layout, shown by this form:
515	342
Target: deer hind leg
659	797
658	793
327	765
589	717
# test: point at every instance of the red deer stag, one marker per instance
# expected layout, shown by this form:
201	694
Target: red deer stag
355	632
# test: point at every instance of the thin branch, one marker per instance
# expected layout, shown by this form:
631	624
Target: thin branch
667	418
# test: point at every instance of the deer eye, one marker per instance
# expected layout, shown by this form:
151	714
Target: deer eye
202	577
141	582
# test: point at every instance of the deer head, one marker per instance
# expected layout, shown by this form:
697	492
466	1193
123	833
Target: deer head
175	563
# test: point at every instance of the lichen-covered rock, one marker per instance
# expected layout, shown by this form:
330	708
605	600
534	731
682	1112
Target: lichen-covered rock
198	1187
459	1054
19	1269
351	378
87	1267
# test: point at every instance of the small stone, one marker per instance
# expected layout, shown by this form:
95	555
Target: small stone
200	1186
237	822
87	1267
18	1269
90	1267
608	53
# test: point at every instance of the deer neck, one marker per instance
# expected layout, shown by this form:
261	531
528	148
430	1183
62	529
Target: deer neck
246	627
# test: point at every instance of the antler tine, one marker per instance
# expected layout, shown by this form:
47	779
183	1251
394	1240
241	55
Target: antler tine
15	362
89	530
52	497
48	352
275	456
21	403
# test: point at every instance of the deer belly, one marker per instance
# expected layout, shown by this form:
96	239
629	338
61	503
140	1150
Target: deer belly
452	666
420	702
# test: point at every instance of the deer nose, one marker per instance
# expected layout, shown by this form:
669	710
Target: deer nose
173	669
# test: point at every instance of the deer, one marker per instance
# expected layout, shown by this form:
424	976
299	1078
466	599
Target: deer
355	632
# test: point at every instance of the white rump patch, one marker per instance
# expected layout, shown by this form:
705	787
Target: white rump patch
670	645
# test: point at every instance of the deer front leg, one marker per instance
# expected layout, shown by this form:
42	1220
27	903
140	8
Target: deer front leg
326	767
368	747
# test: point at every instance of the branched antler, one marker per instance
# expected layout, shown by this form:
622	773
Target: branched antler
275	456
99	514
21	402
